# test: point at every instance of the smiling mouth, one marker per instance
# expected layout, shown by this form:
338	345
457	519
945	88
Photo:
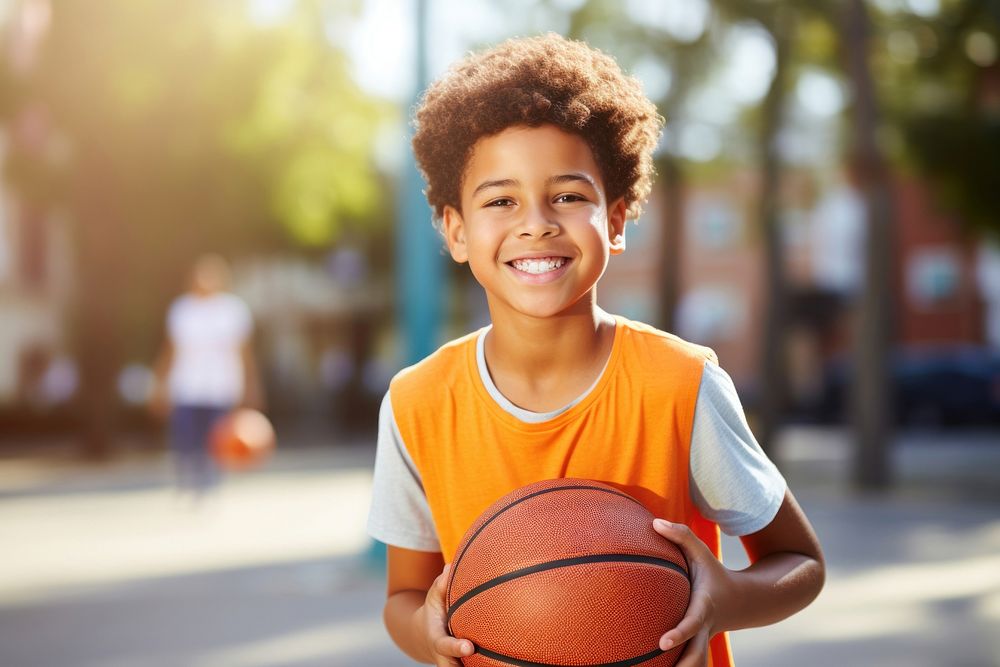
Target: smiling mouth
538	265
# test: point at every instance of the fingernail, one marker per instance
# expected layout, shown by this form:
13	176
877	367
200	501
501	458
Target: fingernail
665	644
660	523
466	648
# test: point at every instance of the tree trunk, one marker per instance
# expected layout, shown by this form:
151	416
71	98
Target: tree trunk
772	395
871	407
98	302
672	223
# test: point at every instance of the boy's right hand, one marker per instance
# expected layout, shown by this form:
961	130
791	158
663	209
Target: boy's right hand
443	647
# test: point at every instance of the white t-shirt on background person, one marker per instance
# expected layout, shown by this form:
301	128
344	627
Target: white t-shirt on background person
207	334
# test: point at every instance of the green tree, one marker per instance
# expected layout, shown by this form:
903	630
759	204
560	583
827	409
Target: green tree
937	81
186	127
870	393
945	96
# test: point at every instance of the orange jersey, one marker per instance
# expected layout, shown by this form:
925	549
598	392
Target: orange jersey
632	431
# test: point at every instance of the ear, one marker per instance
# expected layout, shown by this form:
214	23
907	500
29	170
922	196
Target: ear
616	225
453	228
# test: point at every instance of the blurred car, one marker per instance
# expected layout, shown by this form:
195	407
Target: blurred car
931	386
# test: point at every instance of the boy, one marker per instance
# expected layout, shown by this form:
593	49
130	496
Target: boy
535	153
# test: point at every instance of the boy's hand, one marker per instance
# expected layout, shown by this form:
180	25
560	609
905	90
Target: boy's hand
709	586
443	647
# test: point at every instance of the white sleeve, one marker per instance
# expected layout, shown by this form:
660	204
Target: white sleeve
399	514
173	318
733	483
243	319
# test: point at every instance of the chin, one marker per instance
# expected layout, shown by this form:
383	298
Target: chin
549	311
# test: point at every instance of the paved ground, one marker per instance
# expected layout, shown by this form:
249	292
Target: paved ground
104	566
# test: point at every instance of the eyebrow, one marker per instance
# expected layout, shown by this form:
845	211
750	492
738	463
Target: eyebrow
502	183
553	180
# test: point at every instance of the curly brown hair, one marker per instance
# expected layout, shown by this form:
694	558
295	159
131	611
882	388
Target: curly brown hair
533	81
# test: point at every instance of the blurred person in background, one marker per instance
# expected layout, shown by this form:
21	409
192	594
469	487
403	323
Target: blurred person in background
205	369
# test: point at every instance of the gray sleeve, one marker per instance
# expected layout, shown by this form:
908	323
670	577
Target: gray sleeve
733	483
399	514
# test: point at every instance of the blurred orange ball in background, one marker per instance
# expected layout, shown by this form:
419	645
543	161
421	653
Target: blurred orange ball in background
242	439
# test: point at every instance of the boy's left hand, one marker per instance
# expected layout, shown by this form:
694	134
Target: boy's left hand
710	584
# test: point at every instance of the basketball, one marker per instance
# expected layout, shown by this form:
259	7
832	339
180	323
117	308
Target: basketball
566	572
241	439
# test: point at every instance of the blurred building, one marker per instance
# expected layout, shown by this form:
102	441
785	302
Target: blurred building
317	320
939	296
36	371
941	275
319	330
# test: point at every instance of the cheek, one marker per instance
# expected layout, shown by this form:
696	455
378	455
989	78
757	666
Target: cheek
597	225
480	273
482	245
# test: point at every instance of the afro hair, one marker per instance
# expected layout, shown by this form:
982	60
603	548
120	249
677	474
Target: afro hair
534	81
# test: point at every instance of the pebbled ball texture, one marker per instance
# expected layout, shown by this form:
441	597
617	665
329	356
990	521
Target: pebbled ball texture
567	572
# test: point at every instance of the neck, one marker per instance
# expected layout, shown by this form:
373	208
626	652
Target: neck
541	364
539	347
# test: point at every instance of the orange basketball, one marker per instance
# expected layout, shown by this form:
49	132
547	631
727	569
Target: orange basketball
567	572
242	439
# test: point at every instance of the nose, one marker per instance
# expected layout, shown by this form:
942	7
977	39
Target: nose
537	223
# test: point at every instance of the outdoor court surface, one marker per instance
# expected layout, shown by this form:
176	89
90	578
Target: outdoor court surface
103	566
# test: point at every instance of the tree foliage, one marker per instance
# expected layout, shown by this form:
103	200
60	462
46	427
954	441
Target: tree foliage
209	132
947	105
207	121
165	128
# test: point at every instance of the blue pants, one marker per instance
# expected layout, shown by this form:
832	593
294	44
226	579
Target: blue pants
190	426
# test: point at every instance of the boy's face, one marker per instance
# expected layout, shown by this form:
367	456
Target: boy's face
535	225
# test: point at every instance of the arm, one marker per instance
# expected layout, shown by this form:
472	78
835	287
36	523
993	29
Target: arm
414	608
253	388
786	574
399	514
159	403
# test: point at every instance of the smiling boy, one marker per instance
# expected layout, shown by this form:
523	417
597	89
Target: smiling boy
536	153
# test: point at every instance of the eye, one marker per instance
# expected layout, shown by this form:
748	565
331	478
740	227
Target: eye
568	198
501	202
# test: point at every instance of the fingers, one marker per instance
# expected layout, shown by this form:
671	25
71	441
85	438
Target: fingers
696	652
442	579
695	620
451	647
695	551
696	627
446	647
679	534
439	589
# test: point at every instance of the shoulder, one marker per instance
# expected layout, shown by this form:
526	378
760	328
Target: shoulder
653	344
183	302
179	308
233	302
444	368
234	310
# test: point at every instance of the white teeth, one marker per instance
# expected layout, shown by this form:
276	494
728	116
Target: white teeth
538	265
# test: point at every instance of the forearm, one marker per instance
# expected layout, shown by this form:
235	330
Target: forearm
772	589
253	388
161	368
403	619
159	401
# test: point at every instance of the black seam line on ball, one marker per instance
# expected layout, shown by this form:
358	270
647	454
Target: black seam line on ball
500	657
565	562
472	539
